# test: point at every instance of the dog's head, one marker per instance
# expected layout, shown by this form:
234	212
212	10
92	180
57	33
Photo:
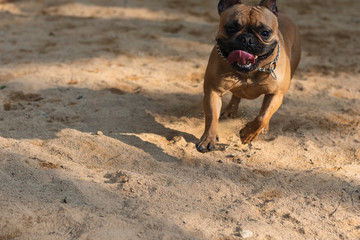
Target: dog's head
247	34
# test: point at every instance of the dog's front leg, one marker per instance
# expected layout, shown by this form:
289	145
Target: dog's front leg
270	105
212	106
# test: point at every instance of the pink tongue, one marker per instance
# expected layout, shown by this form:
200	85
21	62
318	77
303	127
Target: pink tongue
241	57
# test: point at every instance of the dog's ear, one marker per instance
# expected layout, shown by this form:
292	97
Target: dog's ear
270	4
225	4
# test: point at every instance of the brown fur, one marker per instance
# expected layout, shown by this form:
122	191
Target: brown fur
220	77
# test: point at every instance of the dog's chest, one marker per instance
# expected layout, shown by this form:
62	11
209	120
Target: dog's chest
248	88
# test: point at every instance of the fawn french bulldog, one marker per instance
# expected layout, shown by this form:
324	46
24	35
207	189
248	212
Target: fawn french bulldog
257	52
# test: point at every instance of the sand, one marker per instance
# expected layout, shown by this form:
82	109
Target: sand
102	107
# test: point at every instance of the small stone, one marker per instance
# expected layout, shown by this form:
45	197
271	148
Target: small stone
233	155
44	114
99	133
237	160
246	234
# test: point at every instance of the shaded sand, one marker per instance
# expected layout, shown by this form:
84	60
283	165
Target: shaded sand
102	108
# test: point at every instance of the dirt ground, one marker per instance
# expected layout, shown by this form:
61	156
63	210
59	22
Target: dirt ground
102	107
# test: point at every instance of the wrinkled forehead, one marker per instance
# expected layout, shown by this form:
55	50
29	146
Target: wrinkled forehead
248	15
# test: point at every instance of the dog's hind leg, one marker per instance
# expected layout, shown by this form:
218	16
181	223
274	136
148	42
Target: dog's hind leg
231	109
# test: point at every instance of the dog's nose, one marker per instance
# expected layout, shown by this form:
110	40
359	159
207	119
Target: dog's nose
247	40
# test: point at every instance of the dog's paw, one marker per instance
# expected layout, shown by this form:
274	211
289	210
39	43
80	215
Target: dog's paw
250	132
228	113
207	143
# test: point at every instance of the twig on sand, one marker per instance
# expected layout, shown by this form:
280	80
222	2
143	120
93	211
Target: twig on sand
343	200
352	196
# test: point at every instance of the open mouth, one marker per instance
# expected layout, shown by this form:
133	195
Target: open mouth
244	61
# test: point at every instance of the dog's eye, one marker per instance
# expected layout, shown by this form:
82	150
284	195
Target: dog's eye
265	34
231	30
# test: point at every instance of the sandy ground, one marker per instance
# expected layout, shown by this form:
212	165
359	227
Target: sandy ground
102	109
